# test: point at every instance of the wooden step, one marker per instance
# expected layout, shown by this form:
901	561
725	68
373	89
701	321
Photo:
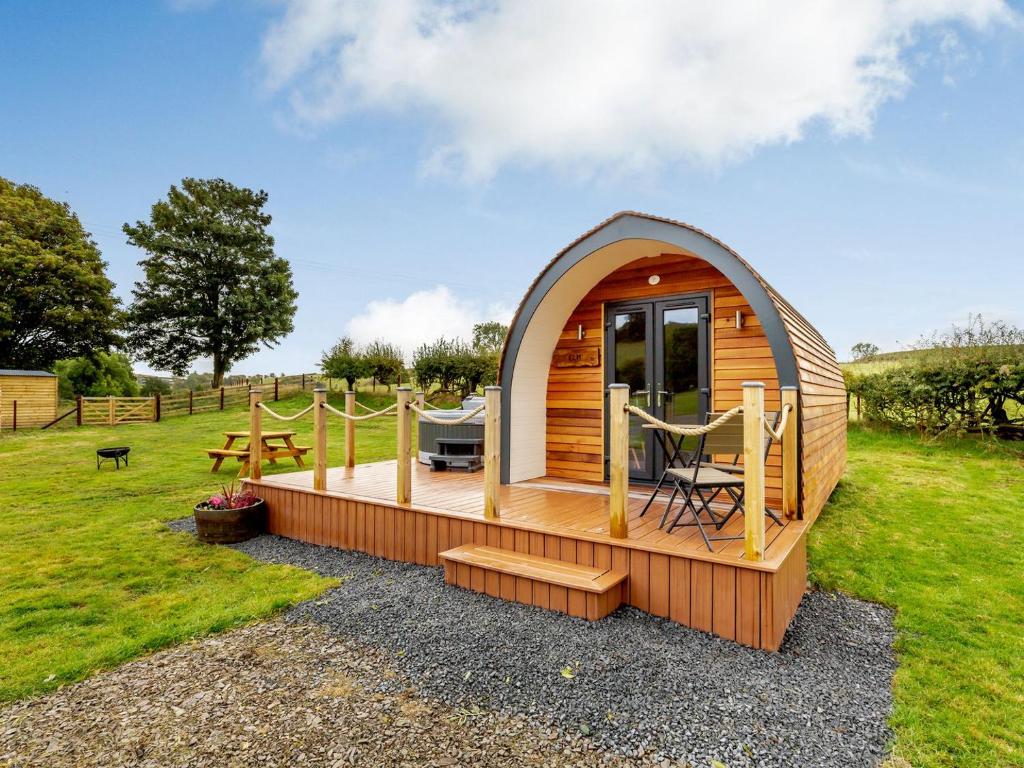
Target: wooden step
579	590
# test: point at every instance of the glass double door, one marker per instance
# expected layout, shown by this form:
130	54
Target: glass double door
660	349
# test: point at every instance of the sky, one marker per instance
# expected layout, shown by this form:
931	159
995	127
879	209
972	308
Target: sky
426	159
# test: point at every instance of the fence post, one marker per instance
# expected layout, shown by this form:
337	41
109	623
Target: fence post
618	460
421	399
255	434
14	416
190	402
156	406
858	406
303	382
320	438
110	409
753	470
350	429
404	454
78	410
790	455
492	452
276	390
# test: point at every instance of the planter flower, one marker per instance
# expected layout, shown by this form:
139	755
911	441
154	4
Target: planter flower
230	516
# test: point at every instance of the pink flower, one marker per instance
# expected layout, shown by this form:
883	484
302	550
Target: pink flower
216	501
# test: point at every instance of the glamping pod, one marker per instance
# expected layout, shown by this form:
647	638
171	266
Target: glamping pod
645	352
684	320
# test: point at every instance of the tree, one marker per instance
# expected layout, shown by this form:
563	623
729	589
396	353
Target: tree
862	350
344	361
155	385
55	298
384	363
96	375
489	336
213	286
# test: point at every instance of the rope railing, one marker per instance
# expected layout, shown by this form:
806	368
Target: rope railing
679	429
366	407
447	422
684	431
776	434
364	417
279	417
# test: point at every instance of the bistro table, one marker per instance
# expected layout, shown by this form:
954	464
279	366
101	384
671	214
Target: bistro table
271	451
672	449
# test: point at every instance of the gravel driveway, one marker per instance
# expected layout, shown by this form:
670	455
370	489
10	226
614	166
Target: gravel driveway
518	685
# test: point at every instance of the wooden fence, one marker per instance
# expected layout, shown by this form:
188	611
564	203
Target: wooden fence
112	411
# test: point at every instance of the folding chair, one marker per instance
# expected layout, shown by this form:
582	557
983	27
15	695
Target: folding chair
704	480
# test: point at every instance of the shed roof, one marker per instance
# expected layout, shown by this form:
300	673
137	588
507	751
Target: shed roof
18	372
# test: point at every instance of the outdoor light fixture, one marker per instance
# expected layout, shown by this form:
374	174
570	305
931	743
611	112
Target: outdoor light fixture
654	279
580	333
739	319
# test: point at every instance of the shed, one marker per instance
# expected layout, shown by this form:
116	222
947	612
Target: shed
30	394
684	320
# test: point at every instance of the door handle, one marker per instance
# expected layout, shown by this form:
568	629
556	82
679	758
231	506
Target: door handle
646	393
661	395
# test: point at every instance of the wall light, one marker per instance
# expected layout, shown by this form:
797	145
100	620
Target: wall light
654	279
739	319
581	334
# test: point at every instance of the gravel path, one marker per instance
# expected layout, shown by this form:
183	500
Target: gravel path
633	683
275	694
394	668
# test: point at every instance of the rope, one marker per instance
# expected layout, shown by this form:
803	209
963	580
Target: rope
679	429
447	422
777	434
366	407
364	417
279	417
435	407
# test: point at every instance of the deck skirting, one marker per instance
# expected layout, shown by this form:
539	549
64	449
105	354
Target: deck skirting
750	606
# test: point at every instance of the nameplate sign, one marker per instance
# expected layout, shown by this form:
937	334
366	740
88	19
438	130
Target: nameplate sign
580	357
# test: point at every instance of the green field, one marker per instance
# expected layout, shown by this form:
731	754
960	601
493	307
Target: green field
91	576
934	529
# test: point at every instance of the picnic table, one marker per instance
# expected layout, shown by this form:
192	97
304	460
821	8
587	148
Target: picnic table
271	451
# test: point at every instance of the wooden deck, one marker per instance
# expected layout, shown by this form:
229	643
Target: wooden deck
670	575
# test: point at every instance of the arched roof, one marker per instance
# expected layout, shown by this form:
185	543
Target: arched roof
795	344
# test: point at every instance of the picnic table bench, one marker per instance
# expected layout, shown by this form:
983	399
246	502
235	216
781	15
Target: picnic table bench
271	451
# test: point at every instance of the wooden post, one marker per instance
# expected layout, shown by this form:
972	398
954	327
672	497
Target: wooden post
320	438
303	382
276	388
421	399
492	452
404	453
78	411
14	416
618	460
255	434
350	429
753	469
790	457
110	409
858	406
190	402
222	398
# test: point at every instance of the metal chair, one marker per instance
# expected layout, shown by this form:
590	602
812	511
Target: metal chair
704	480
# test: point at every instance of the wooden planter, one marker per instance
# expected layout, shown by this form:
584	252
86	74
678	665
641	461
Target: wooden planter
230	526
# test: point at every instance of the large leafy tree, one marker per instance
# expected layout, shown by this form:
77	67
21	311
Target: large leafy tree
213	285
55	298
344	361
96	375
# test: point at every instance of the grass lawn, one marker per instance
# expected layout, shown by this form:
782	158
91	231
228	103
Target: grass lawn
937	531
89	576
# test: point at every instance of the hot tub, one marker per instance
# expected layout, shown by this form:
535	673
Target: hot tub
428	433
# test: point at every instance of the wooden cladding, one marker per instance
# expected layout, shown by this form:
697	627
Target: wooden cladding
35	396
752	607
575	397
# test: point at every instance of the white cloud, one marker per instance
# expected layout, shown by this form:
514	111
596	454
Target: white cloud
421	317
587	85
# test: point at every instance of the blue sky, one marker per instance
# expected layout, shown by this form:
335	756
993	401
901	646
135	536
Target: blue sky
404	161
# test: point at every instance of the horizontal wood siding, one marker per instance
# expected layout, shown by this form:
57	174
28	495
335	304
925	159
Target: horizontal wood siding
36	396
575	396
749	606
